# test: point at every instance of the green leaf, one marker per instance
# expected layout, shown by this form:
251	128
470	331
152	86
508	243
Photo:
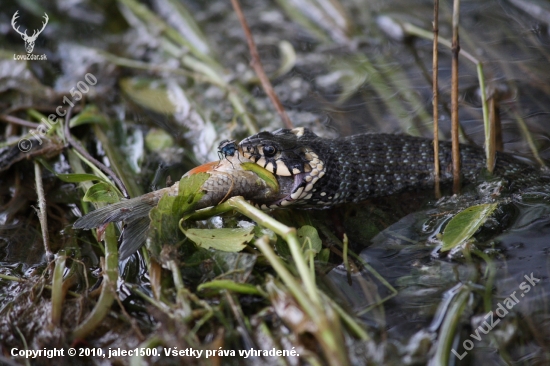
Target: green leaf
241	288
148	93
228	240
101	192
310	239
464	225
71	177
164	227
90	114
165	218
77	178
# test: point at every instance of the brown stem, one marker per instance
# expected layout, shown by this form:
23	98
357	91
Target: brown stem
256	64
435	101
42	215
18	121
454	98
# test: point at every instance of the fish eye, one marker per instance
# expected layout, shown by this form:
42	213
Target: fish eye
269	151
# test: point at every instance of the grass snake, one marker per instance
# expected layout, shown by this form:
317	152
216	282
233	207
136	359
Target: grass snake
324	172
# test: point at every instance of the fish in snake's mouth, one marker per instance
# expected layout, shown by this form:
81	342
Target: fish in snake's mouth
296	165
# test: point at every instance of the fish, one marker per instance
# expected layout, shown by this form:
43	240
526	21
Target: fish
234	175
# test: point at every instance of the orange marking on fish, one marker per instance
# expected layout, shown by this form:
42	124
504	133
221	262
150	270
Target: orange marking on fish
204	168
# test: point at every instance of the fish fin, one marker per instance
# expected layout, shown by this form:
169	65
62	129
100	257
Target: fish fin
133	236
124	210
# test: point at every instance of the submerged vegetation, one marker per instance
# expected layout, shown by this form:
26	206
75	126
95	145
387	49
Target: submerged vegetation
132	95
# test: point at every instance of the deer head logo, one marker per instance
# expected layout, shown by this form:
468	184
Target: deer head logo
29	40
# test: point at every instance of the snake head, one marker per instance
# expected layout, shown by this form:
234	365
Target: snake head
287	153
280	152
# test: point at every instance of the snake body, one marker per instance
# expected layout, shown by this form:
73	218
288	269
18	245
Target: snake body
326	172
314	172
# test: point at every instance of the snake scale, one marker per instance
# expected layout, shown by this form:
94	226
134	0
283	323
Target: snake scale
325	172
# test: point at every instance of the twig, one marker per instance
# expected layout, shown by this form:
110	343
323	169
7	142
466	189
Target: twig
454	98
256	64
72	142
435	101
42	216
18	121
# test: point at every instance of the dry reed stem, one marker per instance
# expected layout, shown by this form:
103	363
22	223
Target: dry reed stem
256	64
42	214
455	49
435	100
18	121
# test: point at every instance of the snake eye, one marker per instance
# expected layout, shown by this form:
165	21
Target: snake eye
269	151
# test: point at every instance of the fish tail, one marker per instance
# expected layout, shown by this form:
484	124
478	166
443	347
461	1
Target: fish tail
127	210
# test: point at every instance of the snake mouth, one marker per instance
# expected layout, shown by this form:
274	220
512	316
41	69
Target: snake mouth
289	189
289	155
295	190
298	187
